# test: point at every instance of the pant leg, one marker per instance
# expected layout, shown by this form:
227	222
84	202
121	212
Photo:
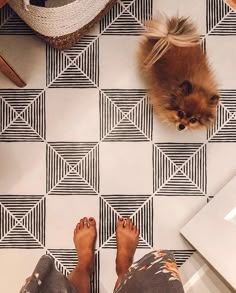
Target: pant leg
155	272
47	279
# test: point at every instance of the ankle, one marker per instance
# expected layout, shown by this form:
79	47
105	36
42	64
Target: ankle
84	268
124	259
122	268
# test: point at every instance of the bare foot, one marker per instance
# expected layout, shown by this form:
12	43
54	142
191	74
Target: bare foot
127	236
85	235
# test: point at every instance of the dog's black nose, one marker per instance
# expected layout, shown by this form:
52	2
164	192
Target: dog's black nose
181	127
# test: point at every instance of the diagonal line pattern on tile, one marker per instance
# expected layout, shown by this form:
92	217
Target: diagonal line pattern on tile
184	167
127	9
16	25
224	128
125	115
77	170
23	232
29	118
66	260
138	208
224	18
121	25
127	12
94	40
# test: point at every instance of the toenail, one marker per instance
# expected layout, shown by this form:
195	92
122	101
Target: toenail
90	219
121	219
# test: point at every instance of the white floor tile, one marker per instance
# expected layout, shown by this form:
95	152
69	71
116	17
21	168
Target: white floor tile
17	265
62	220
26	54
183	8
22	168
221	158
76	112
171	214
126	168
118	58
226	70
197	275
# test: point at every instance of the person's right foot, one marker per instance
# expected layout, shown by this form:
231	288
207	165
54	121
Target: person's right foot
127	236
85	235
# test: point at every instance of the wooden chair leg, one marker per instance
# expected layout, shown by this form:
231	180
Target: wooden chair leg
7	70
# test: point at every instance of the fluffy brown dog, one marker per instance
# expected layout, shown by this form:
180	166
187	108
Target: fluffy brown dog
182	87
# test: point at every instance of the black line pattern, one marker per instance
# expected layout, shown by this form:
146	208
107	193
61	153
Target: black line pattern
203	43
11	24
179	169
127	17
138	207
22	221
125	115
72	168
22	115
67	259
220	18
224	128
181	256
74	68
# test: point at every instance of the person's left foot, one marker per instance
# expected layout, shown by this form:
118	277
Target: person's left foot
85	235
127	236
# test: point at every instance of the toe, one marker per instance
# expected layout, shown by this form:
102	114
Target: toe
77	227
128	223
132	226
120	222
85	220
92	222
81	224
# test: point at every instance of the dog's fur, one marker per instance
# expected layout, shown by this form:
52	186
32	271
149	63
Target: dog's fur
178	73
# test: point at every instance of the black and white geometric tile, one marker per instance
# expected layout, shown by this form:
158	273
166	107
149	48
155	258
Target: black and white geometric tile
66	260
127	18
11	24
22	221
221	19
179	169
224	129
81	139
182	256
125	115
72	168
137	207
22	116
76	67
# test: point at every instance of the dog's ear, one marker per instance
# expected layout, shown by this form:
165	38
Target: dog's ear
173	101
186	87
214	100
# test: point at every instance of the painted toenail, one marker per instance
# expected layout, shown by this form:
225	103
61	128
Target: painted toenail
90	219
121	219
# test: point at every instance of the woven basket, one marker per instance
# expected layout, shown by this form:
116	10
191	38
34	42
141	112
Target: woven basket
62	26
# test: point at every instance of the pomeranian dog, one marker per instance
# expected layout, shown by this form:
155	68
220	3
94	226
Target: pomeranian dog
182	86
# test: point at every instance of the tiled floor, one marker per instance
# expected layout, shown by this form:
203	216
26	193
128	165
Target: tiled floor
65	153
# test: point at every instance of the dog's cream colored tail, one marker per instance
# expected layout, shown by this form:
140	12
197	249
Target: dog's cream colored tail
175	31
